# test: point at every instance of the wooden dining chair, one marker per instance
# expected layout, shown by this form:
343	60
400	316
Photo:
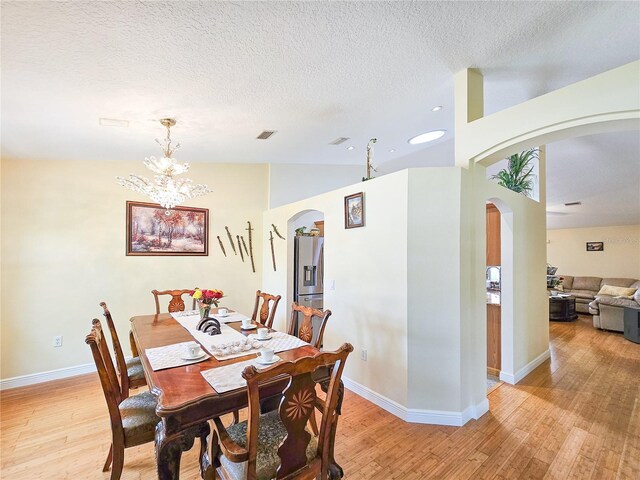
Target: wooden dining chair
129	370
268	309
133	419
277	444
305	328
176	304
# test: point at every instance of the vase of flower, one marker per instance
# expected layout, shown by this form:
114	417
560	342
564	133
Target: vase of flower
206	299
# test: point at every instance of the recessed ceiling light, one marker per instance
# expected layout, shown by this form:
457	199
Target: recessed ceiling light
339	140
350	147
436	108
113	122
427	137
571	204
392	150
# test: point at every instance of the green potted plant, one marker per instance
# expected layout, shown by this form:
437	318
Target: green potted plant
518	175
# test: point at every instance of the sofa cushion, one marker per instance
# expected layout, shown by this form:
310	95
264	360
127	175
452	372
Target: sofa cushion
617	282
617	291
567	282
586	283
585	294
616	301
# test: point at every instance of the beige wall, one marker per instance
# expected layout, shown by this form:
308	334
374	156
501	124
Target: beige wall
566	249
63	251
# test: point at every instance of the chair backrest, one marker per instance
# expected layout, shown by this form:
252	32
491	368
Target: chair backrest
305	327
107	374
268	309
297	404
176	304
121	366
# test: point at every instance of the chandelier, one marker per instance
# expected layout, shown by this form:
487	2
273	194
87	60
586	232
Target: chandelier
165	189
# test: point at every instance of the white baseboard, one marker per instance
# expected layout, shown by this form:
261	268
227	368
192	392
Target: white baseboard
413	415
526	370
33	378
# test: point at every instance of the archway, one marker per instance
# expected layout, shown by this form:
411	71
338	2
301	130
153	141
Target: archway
305	240
503	295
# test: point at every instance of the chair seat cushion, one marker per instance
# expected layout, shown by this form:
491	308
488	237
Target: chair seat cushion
139	419
270	435
134	369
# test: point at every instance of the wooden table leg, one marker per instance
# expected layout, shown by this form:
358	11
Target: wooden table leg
169	451
335	470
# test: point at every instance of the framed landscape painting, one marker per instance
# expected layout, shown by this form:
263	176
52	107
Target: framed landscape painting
150	231
354	210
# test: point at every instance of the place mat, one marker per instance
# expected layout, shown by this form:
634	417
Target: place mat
227	378
169	356
280	342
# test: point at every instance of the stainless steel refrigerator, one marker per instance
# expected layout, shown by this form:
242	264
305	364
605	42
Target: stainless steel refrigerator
308	274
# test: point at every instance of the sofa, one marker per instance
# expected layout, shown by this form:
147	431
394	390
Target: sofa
607	310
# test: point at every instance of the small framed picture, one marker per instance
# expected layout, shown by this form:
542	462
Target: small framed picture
595	246
150	231
354	210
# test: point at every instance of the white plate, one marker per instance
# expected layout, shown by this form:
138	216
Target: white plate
262	339
223	315
275	359
250	327
186	356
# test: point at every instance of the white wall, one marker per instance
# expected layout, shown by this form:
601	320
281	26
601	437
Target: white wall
433	304
292	182
63	251
566	249
369	267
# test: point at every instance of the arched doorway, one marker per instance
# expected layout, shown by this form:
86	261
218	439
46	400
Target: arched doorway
305	253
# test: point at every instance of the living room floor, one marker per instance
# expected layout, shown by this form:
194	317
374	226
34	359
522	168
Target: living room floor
576	416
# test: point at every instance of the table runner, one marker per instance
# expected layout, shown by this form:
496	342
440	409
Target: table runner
195	314
230	337
169	356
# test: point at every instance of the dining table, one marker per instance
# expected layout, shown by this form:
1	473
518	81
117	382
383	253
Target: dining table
186	401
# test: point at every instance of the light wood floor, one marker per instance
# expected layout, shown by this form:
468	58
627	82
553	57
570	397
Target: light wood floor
577	416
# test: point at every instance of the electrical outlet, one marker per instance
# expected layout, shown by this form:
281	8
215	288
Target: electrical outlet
57	341
363	355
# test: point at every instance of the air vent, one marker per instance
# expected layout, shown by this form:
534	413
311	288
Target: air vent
339	140
571	204
266	134
113	122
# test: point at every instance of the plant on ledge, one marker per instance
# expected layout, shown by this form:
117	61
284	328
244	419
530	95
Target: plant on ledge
517	176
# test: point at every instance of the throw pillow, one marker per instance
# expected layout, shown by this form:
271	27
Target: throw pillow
617	291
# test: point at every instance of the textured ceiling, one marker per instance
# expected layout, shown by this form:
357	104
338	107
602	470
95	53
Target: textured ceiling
313	71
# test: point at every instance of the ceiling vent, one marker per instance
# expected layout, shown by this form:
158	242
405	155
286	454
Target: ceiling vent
339	140
266	134
571	204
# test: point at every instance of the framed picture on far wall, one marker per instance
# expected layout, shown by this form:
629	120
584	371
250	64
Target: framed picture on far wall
151	231
595	246
354	210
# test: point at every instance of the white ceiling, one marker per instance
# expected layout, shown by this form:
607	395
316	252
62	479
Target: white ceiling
313	71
